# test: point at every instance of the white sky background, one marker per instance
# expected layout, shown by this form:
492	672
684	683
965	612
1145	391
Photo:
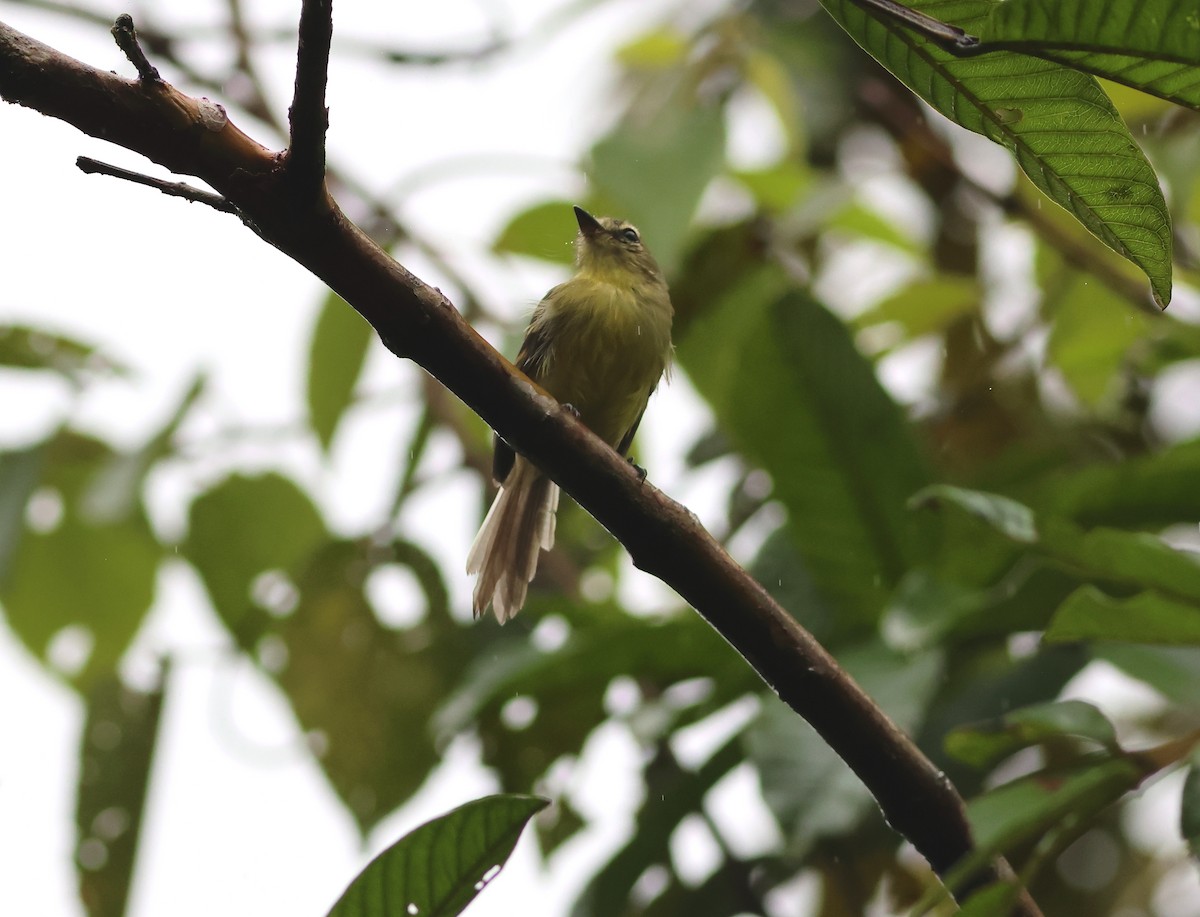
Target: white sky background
240	820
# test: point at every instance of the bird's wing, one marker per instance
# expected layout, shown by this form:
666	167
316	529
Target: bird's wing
530	359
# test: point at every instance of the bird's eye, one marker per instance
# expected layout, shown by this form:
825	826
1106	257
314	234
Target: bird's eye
629	235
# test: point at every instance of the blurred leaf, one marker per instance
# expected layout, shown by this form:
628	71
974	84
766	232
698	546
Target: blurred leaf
1150	491
671	795
1008	517
561	822
24	347
1089	614
812	792
777	187
1172	670
1189	810
1134	558
657	49
242	528
1092	332
116	759
568	685
438	869
995	900
115	491
925	608
787	384
653	168
925	306
546	231
1151	45
768	74
112	562
1030	807
1062	129
20	473
365	693
339	346
983	745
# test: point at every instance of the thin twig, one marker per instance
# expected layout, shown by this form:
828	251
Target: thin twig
126	37
308	117
949	36
171	188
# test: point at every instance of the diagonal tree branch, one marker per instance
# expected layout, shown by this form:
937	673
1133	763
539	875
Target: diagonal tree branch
415	321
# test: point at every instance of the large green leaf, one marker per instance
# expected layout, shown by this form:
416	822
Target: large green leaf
543	231
20	472
1147	491
245	527
438	869
1147	617
1131	558
25	347
1058	123
115	761
1151	45
94	566
791	390
983	745
339	346
363	691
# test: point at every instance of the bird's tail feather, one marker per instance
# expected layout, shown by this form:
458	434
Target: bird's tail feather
519	525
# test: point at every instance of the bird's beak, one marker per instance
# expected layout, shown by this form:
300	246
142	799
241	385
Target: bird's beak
588	224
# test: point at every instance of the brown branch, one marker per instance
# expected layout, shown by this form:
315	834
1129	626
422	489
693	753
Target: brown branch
418	322
126	38
91	166
308	117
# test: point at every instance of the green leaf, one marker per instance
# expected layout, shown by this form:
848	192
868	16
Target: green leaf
672	794
653	168
20	473
657	49
339	347
438	869
94	567
34	348
984	745
115	760
1091	336
244	527
1058	123
1030	807
364	692
1089	614
926	306
1189	810
1151	45
1008	517
995	900
1146	491
1134	558
791	390
546	231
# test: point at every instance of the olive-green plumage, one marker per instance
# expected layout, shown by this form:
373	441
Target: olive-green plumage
599	342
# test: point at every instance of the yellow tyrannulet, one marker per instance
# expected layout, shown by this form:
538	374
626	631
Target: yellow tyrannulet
599	342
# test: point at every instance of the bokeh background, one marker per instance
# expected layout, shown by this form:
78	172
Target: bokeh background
237	633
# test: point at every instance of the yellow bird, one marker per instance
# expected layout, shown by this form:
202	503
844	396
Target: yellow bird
600	343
